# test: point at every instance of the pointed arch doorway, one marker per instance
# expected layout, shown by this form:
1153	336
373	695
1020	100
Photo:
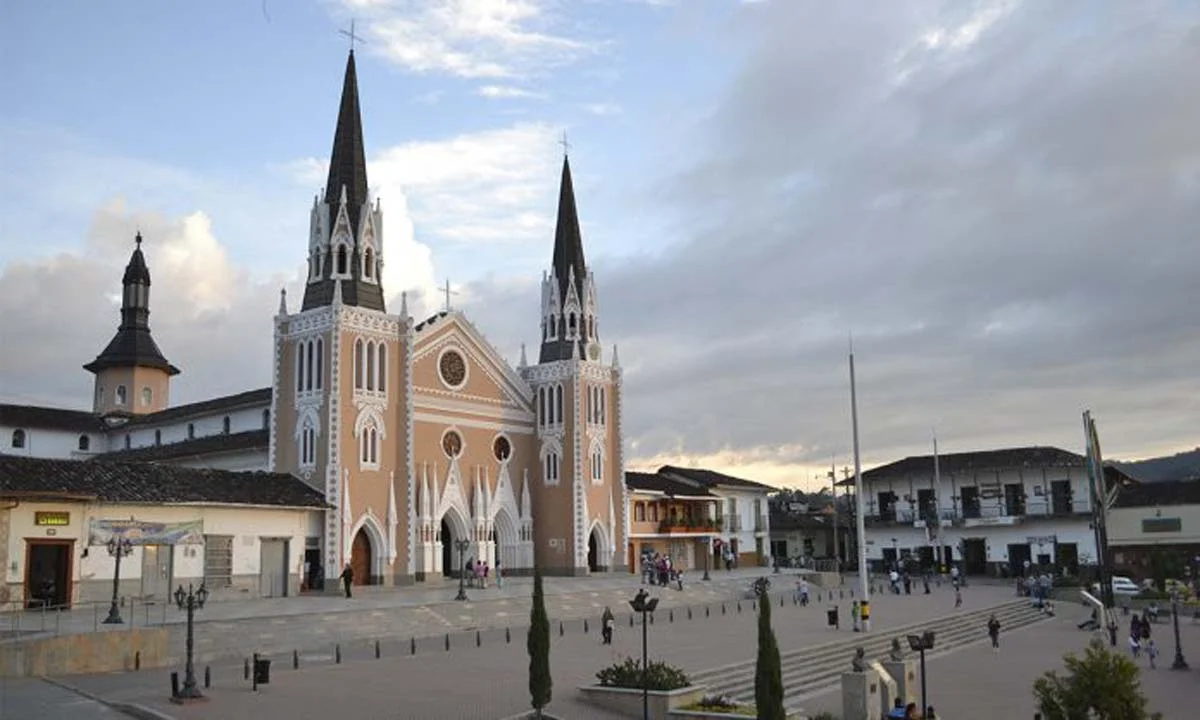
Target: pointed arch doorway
361	557
594	542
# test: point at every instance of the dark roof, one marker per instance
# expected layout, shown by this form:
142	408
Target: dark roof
429	321
133	345
673	487
709	478
32	416
568	257
782	520
151	483
979	461
348	160
1179	492
261	396
207	445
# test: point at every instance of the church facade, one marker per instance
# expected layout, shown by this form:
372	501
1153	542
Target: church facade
429	448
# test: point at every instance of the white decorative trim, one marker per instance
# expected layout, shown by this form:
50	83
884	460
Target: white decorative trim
442	440
619	400
333	490
491	361
512	450
427	401
409	423
318	319
579	485
371	323
462	354
276	368
378	539
605	542
596	448
453	497
479	424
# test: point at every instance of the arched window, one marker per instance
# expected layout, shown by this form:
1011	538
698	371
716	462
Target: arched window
369	452
553	326
266	419
597	466
381	384
158	437
128	442
225	425
551	468
368	263
191	431
147	396
121	395
358	364
342	261
541	406
371	365
320	363
308	365
85	443
18	438
571	326
558	404
603	405
300	367
308	444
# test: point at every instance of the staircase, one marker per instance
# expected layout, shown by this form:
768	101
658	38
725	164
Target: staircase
810	670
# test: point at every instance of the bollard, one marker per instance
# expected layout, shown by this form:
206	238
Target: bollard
841	595
753	605
585	626
651	618
174	684
560	629
706	613
207	677
295	659
780	599
447	642
795	599
478	640
851	592
246	670
137	660
337	655
507	635
689	612
739	606
722	608
630	621
376	649
671	615
254	674
412	646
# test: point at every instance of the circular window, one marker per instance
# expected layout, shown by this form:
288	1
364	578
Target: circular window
502	448
452	368
452	444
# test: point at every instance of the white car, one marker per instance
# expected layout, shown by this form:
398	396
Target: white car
1120	586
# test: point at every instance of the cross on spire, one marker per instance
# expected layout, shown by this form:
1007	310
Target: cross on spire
448	292
353	37
566	146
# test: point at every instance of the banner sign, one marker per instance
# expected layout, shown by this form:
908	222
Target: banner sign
139	532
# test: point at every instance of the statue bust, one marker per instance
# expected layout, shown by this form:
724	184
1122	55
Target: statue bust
859	663
897	653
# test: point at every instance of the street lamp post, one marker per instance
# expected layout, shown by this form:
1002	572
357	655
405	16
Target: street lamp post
118	548
707	557
1180	663
190	601
921	643
462	546
642	603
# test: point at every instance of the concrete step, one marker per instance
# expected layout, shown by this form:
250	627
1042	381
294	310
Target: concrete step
807	669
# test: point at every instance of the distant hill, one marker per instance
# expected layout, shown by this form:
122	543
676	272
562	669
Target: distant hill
1183	466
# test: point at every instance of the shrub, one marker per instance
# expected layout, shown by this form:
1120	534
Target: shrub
538	645
716	702
628	674
1152	595
768	676
1101	685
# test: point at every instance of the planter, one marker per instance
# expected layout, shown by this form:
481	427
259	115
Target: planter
628	701
717	715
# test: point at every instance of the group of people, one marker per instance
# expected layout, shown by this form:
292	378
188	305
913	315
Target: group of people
479	572
658	569
910	711
1139	637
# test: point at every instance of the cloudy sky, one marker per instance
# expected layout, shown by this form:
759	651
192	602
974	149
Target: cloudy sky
1000	202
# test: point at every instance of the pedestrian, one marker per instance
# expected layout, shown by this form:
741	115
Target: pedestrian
855	614
1151	652
957	597
930	714
607	623
347	578
499	575
993	628
803	587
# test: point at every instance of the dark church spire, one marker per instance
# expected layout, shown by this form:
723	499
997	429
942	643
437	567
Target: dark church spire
569	328
568	240
133	346
345	241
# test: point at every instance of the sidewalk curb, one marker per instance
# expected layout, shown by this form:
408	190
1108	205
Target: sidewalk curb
133	710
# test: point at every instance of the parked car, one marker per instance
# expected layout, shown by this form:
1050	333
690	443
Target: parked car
1120	586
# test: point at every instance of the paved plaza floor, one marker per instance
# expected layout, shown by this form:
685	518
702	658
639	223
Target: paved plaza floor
489	681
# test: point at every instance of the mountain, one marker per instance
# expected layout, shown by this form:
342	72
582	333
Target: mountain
1182	466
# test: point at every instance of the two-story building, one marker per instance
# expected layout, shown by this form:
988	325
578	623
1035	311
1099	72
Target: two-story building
669	516
988	511
1156	523
742	509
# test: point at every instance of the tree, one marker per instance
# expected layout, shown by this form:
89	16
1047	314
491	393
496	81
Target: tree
1101	685
768	676
538	644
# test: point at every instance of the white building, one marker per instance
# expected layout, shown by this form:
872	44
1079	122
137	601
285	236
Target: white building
995	510
743	512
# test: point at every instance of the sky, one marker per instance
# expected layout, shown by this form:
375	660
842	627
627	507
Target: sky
997	201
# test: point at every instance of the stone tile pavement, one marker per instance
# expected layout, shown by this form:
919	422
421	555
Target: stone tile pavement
490	681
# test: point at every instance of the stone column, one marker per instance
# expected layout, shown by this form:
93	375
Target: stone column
904	673
863	693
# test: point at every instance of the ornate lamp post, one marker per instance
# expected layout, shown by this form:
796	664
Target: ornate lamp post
1180	663
190	601
462	546
707	556
118	548
921	643
644	604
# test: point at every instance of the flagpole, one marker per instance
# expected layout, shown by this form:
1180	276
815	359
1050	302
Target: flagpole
864	589
937	507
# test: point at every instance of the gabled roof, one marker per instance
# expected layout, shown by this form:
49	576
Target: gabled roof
49	418
425	332
712	479
1035	456
1178	492
207	445
669	486
781	520
150	483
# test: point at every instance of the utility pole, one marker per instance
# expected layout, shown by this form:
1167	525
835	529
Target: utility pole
837	555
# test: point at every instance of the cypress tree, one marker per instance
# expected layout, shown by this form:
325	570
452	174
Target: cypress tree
768	676
538	644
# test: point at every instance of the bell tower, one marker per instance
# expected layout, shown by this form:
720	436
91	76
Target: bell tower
579	499
132	376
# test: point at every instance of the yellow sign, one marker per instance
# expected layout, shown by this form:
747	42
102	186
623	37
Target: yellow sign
57	519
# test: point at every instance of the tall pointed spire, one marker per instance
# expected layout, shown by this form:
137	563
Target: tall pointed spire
568	300
568	240
348	161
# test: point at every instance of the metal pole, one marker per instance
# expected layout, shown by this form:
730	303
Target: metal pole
924	702
114	612
837	555
1180	663
864	589
645	672
707	556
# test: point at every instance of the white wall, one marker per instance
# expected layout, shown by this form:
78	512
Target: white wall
243	419
58	444
1030	478
746	535
243	460
1068	530
1125	525
247	525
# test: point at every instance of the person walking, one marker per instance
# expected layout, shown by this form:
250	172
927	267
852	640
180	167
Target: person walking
499	575
802	586
607	624
957	597
855	614
347	578
993	628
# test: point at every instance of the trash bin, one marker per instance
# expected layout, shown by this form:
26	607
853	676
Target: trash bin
262	671
833	616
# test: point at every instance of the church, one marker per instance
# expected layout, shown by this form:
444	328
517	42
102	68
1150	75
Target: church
428	448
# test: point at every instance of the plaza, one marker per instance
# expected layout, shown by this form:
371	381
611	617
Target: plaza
483	674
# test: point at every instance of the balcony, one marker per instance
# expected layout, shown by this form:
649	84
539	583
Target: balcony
688	526
732	523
